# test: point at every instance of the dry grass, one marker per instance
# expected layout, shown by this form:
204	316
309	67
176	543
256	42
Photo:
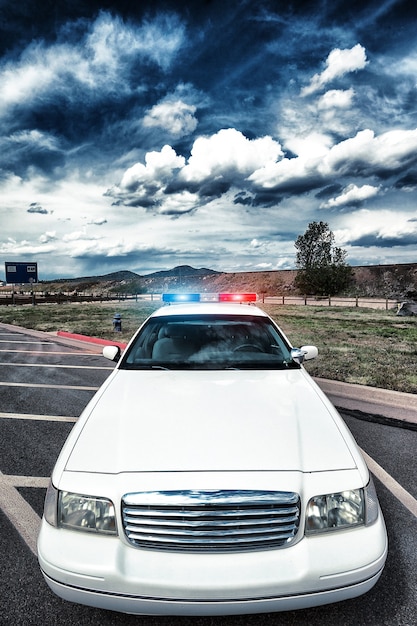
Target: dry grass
363	346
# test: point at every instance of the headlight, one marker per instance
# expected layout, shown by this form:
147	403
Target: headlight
77	512
342	510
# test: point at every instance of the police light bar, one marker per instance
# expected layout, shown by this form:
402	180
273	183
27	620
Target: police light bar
180	297
172	298
237	297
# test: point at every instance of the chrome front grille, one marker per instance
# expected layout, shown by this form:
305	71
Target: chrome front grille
211	521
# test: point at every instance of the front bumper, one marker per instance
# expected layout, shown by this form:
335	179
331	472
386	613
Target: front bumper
108	573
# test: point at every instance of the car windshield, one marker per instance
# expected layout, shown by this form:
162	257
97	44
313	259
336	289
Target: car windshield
208	342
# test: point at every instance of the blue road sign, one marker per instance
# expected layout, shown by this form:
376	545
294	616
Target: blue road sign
21	272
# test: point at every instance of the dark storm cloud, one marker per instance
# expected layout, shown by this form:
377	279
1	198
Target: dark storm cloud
408	181
35	207
92	76
25	150
376	240
329	191
262	199
208	189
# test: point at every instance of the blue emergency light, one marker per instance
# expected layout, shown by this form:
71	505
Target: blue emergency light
180	297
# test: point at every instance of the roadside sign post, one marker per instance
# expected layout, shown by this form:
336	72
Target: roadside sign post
18	272
21	272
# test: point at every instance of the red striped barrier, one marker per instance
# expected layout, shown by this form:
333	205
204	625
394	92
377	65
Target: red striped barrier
97	340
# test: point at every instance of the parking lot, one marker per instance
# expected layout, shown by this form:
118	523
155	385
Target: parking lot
45	382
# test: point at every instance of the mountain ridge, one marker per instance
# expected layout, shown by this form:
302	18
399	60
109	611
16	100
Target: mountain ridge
388	281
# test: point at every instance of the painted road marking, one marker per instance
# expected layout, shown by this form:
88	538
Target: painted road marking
391	484
38	343
41	418
25	481
46	386
19	512
49	352
51	365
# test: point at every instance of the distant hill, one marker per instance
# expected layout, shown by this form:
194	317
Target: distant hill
387	281
182	271
114	276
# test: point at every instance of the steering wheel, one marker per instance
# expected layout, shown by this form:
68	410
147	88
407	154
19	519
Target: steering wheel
248	347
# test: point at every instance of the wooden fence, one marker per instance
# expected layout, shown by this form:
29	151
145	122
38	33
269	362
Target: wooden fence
21	298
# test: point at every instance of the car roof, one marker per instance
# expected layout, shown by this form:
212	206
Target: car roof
209	308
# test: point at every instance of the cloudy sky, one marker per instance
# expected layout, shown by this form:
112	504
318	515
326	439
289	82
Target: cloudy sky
145	135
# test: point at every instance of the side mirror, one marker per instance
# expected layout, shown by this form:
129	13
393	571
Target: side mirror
305	353
112	353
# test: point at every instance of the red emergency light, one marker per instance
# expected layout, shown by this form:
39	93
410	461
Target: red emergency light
237	297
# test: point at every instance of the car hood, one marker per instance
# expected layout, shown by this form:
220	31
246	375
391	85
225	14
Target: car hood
166	421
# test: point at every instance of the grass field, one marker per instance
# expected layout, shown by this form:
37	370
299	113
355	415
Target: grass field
364	346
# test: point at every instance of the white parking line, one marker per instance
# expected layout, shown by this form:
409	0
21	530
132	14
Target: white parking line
38	343
25	481
49	352
46	386
53	366
41	418
19	512
391	484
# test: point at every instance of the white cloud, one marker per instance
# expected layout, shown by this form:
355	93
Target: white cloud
390	151
229	152
109	49
158	169
176	117
35	138
166	184
352	194
48	236
80	235
311	145
361	155
338	63
382	224
24	247
287	171
158	39
336	99
179	203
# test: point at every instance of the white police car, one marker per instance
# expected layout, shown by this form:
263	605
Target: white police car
210	475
